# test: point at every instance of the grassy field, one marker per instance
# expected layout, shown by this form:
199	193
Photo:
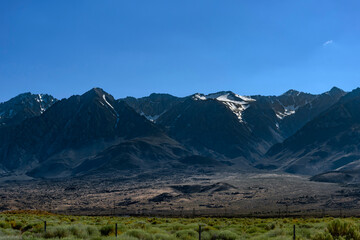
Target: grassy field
30	225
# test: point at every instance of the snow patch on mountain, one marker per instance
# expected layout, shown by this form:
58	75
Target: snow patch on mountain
43	102
237	109
114	111
104	97
151	118
288	110
198	96
236	103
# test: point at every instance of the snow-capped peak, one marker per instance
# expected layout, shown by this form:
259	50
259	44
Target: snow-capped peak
224	97
230	97
236	103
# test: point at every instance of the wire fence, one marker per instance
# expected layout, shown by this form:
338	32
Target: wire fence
281	212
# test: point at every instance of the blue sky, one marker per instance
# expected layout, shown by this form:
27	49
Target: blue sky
134	48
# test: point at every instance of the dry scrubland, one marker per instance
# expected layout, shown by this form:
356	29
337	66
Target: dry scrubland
174	194
30	225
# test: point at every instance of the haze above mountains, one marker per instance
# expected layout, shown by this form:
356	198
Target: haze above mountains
93	133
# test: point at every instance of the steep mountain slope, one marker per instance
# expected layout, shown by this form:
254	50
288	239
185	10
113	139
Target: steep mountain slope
209	127
228	125
71	130
309	109
24	106
137	153
279	117
328	142
154	105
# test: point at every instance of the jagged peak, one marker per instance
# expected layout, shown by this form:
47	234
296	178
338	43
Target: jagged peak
291	92
336	90
97	93
99	96
29	95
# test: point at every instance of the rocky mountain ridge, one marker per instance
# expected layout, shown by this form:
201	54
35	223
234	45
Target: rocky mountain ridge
95	133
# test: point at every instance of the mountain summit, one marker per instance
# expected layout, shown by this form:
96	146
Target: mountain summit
24	106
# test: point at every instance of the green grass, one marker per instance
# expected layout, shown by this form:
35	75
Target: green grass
30	226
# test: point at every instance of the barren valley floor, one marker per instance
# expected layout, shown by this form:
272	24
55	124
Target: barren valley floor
175	194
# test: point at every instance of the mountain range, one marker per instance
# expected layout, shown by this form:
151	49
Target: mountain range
93	133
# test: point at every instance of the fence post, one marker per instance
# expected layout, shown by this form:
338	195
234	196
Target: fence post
294	235
116	230
44	226
199	232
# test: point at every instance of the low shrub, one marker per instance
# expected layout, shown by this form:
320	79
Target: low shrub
346	229
78	231
270	226
92	231
16	225
252	230
106	230
227	235
59	232
323	236
139	234
186	234
276	233
27	227
127	237
339	228
4	224
162	236
174	227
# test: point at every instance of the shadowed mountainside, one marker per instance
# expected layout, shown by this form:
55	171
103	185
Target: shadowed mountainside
93	133
328	142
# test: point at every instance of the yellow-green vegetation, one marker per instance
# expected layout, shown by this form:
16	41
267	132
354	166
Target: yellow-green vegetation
30	226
